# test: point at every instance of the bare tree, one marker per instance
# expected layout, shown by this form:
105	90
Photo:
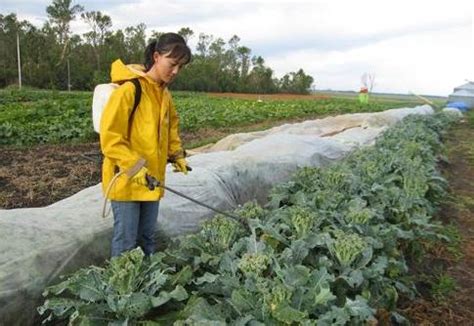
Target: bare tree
368	81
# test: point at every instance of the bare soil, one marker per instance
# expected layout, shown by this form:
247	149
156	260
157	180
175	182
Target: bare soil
42	175
457	306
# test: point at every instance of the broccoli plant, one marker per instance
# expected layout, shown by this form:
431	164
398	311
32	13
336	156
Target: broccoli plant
302	220
254	263
126	289
358	212
220	233
251	210
346	247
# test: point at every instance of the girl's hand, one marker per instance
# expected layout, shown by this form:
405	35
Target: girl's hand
140	177
181	166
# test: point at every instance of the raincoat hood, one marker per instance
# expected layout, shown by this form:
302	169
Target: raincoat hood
121	72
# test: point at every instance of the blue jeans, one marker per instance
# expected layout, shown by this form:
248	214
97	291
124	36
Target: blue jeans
134	225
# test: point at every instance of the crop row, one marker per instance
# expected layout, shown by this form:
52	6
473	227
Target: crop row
330	248
42	117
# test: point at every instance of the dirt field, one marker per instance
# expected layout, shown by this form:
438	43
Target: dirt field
42	175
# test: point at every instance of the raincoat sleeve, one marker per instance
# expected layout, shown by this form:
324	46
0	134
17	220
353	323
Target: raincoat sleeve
175	150
114	128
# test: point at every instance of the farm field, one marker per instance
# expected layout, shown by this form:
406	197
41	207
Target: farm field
48	142
41	117
60	159
305	168
353	243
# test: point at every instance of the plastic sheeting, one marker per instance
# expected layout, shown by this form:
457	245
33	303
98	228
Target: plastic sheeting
39	244
463	94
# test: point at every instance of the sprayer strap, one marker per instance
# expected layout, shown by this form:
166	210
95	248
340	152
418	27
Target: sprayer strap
138	96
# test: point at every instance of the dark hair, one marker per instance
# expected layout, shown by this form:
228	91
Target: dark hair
171	43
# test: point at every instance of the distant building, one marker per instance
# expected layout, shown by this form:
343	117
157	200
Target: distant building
464	94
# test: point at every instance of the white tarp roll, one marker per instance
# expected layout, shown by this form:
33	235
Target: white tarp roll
39	244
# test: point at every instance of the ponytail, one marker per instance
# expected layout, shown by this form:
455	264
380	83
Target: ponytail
149	51
171	44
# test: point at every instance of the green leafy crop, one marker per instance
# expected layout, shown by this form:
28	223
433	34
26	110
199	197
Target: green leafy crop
302	220
254	263
330	248
125	290
346	247
221	232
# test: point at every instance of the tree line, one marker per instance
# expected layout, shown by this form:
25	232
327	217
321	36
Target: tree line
55	58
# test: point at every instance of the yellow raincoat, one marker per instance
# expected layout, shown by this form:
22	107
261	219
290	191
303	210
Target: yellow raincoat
151	135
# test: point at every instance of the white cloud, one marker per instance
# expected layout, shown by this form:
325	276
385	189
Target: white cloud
423	46
429	63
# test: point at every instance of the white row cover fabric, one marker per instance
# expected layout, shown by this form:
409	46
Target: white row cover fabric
39	244
320	127
454	111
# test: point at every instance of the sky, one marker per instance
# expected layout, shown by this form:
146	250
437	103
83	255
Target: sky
419	46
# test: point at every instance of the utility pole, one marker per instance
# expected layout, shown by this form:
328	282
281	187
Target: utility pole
19	57
68	76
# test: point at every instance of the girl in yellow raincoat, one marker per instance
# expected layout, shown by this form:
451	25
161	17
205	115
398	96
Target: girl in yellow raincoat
141	144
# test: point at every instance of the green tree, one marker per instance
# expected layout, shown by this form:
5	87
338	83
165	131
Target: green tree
302	82
100	25
135	43
115	46
60	14
233	63
296	82
260	79
9	27
216	49
155	35
33	45
216	66
243	53
203	44
186	33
